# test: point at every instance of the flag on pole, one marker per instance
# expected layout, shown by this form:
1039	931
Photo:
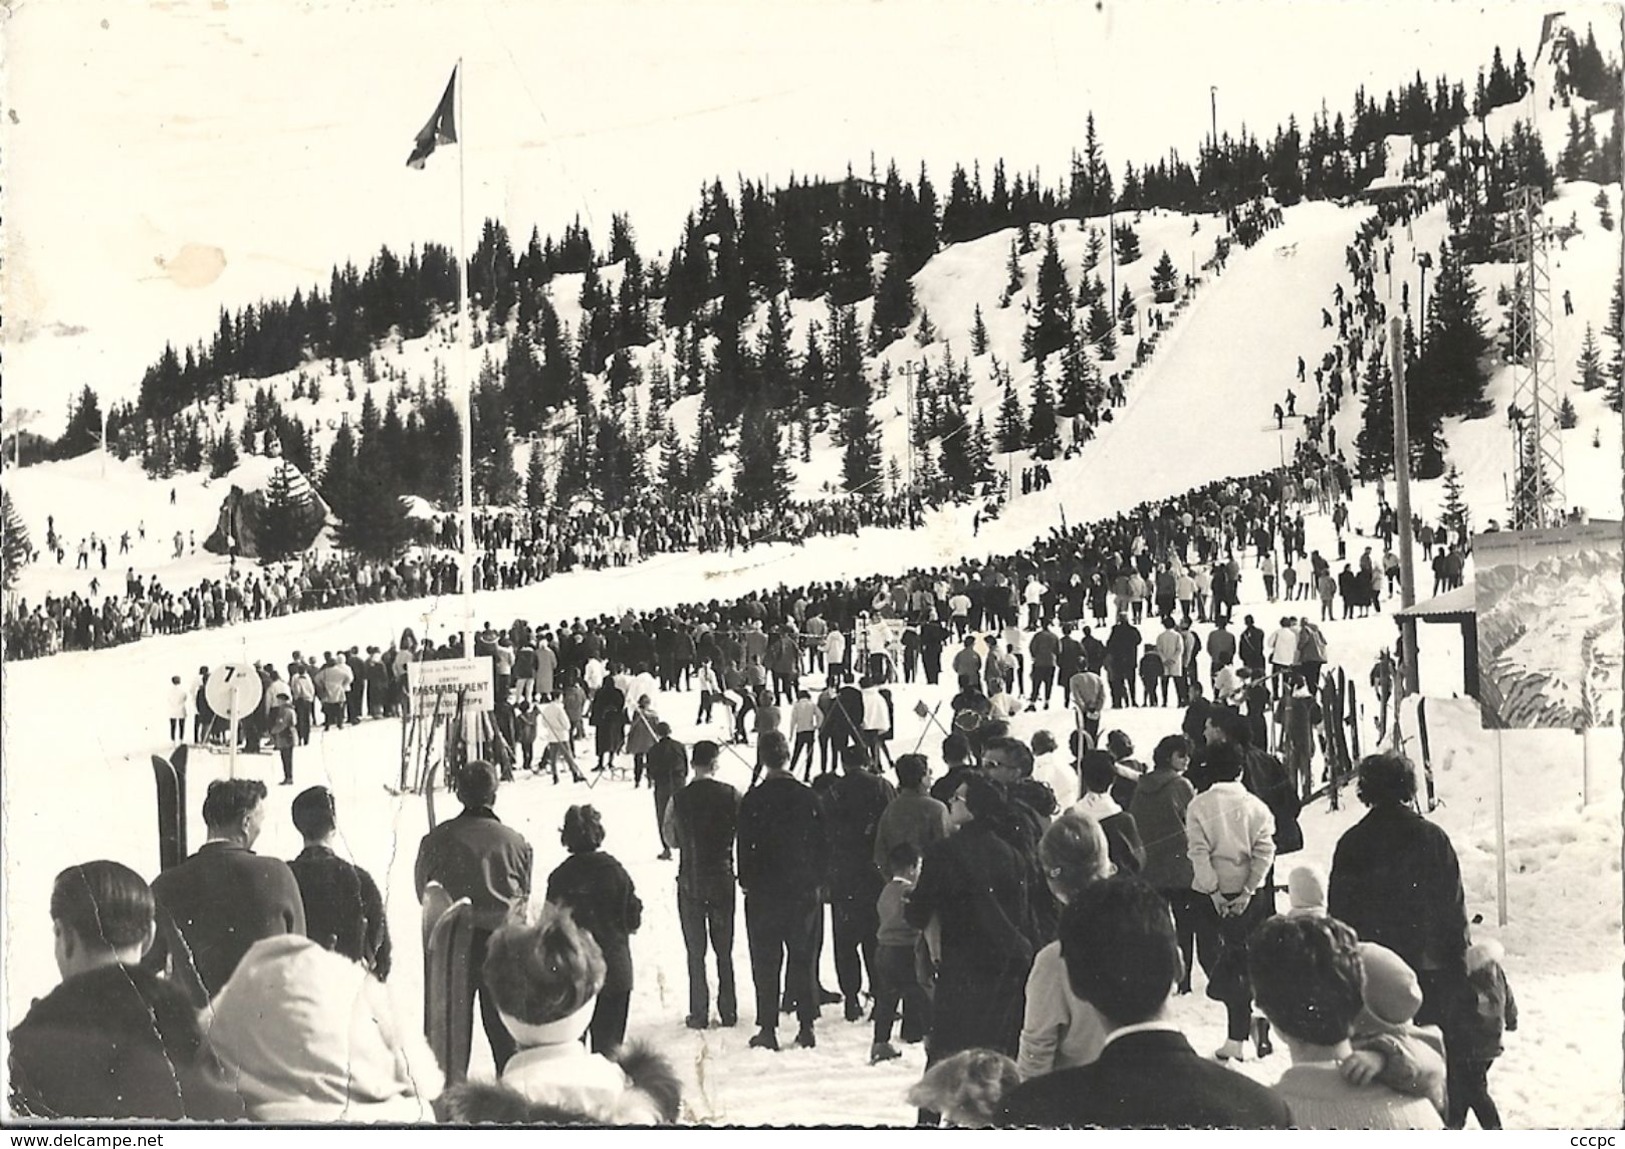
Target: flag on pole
441	128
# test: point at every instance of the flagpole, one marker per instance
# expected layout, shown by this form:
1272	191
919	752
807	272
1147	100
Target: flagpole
465	336
465	389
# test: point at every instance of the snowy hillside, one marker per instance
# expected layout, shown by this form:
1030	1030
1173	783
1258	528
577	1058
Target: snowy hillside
1198	410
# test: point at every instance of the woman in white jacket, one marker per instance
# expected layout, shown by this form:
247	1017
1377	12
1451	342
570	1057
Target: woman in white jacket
305	1034
1230	840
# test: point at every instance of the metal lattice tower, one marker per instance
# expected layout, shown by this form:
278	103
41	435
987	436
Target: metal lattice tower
1538	498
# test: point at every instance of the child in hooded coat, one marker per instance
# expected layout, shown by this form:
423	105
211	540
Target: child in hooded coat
545	976
1488	1010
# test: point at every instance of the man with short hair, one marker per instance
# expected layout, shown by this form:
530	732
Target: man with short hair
701	820
783	857
333	688
1251	645
1283	648
475	856
1086	692
853	806
215	905
344	911
113	1041
667	767
1044	648
967	663
913	815
1396	880
1122	960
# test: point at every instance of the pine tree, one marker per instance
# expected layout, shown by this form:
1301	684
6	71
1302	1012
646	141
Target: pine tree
15	549
1605	216
1128	245
1102	332
894	303
1164	279
762	480
377	526
1531	489
536	477
1043	435
1450	378
340	478
1455	515
1015	278
957	464
284	527
1517	337
1374	445
853	279
1126	310
1012	425
1591	370
84	430
860	461
223	459
1080	383
927	331
1052	317
1092	249
927	476
673	464
1567	417
702	460
981	453
978	334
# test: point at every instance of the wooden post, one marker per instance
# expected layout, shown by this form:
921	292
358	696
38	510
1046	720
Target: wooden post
1402	509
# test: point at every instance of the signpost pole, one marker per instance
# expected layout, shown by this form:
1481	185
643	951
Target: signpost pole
231	761
1585	767
1500	836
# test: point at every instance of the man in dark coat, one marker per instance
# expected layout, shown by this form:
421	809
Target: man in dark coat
224	898
1251	645
357	695
853	806
783	857
1122	957
667	767
933	637
1397	882
344	911
113	1041
475	856
1069	659
975	885
1122	653
1045	649
701	821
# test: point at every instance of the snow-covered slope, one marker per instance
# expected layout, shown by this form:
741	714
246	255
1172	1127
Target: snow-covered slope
78	729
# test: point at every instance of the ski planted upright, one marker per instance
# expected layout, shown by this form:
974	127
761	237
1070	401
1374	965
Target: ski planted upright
169	775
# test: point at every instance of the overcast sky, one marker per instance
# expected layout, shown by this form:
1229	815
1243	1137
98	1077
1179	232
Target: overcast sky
275	134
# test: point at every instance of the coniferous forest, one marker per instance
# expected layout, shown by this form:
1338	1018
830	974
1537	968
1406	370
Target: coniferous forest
721	299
